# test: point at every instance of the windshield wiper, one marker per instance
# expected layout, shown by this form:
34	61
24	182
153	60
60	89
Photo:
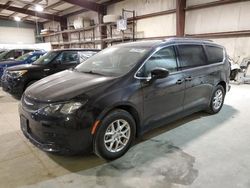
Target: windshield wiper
91	72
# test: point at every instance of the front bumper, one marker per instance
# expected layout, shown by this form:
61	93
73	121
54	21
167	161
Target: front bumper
64	135
14	86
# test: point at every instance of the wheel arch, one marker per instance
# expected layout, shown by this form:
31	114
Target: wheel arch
127	107
223	84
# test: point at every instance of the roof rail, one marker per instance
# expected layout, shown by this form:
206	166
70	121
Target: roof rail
186	39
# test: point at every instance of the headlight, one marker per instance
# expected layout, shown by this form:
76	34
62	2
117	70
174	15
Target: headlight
63	108
16	74
52	108
70	108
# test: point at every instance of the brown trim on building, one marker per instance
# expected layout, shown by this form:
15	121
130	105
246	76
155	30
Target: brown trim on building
111	2
75	13
213	4
145	16
229	34
162	13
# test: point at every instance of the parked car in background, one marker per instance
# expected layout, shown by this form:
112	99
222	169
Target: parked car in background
13	54
24	59
16	79
122	92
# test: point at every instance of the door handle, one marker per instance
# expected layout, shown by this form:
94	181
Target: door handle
46	70
180	81
188	78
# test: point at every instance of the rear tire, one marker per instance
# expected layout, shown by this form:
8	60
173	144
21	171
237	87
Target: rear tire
115	135
217	100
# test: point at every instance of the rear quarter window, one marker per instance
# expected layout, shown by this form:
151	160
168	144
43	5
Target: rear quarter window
215	54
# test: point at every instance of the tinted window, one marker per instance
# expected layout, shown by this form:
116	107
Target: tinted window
3	55
18	53
34	58
10	54
84	55
47	58
23	57
164	58
68	57
215	54
26	51
191	56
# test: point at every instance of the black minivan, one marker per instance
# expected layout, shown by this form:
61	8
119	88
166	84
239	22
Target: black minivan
17	78
125	90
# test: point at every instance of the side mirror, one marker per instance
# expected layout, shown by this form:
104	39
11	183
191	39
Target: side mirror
159	73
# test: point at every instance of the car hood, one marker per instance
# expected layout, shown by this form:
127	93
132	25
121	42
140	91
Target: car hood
24	67
64	86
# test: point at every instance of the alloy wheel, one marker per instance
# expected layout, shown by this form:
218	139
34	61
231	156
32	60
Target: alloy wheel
117	135
218	99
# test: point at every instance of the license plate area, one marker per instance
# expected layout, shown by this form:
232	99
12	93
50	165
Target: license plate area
24	124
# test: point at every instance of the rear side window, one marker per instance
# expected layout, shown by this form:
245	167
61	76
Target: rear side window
215	54
68	57
191	56
18	53
84	55
34	58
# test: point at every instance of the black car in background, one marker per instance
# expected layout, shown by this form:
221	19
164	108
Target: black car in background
15	53
122	92
16	79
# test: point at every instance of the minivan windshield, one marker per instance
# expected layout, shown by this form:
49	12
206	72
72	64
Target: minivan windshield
47	58
113	61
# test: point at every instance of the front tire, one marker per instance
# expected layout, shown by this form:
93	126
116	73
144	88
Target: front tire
115	135
217	100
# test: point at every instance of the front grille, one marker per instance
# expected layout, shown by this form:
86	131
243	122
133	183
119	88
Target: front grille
31	104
